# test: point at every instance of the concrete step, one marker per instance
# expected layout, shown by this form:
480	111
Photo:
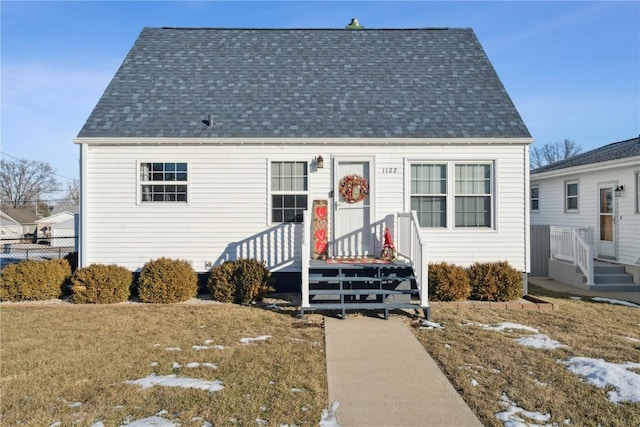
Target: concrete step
613	278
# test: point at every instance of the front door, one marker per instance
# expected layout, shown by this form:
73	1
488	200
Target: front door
352	208
606	221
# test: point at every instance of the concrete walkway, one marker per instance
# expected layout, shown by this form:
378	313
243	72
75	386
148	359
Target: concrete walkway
553	285
382	376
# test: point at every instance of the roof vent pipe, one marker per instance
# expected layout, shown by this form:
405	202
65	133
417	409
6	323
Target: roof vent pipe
354	24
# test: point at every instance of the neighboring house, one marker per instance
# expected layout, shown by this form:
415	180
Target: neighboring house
25	217
63	234
10	229
210	144
45	225
595	195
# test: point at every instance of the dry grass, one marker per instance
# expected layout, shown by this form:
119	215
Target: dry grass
56	355
533	378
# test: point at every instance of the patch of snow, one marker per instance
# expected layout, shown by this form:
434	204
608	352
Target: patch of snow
513	415
56	424
193	365
540	383
427	324
200	347
447	345
260	338
153	421
474	382
273	307
600	373
173	349
328	418
261	422
632	339
615	301
74	404
175	381
219	347
97	424
500	327
296	390
206	424
575	298
176	365
539	341
154	364
207	342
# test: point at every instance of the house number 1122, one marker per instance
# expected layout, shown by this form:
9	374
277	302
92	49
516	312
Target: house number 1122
389	170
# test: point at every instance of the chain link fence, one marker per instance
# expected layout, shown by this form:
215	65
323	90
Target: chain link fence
14	251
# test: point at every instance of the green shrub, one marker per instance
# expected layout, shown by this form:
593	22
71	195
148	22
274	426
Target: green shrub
31	280
495	281
166	281
448	282
220	282
100	284
241	281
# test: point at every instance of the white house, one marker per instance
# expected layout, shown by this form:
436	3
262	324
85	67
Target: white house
592	202
10	229
210	144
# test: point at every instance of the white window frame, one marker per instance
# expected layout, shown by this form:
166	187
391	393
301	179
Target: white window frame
271	192
431	194
451	194
489	195
534	199
140	183
567	196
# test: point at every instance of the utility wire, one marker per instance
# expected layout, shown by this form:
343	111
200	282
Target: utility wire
54	173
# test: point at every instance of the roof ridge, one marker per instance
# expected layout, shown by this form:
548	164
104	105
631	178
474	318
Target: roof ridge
305	29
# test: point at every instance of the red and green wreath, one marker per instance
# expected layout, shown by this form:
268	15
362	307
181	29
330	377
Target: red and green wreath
353	188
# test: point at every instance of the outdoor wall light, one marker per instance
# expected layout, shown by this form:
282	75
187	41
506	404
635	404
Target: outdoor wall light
319	162
618	190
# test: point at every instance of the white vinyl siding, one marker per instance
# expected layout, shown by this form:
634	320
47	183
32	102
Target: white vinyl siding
229	210
637	192
552	202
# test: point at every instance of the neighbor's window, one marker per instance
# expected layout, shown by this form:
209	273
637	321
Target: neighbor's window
571	196
473	195
163	182
289	184
429	194
535	199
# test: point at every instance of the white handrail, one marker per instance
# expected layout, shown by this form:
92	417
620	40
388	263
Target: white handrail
411	245
306	257
573	245
584	257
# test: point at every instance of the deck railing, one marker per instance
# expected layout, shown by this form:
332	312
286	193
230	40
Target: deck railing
306	257
573	245
411	246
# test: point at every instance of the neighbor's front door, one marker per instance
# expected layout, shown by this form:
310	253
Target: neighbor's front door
606	220
352	208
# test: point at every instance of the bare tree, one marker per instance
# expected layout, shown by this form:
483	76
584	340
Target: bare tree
72	196
553	152
23	182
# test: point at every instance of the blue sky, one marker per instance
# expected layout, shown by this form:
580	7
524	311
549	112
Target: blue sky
572	68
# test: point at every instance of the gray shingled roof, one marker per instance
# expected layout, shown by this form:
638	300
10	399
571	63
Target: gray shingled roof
613	151
414	83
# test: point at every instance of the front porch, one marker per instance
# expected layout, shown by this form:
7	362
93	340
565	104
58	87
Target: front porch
368	283
572	262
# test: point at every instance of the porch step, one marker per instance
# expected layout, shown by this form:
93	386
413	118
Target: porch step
601	279
361	287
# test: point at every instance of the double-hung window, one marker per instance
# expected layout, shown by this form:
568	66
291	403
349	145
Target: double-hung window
163	182
473	195
446	194
571	196
289	191
535	198
429	194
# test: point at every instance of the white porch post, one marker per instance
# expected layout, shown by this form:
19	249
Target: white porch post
306	256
